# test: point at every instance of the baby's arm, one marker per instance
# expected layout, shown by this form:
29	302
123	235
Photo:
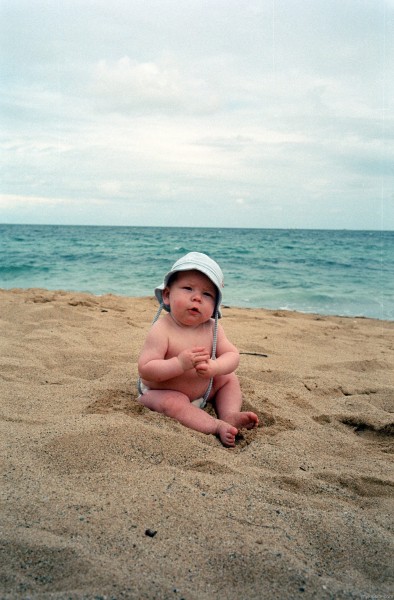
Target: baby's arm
227	358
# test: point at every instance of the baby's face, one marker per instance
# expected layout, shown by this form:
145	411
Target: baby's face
192	297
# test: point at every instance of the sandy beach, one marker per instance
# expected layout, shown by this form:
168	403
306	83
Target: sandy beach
102	498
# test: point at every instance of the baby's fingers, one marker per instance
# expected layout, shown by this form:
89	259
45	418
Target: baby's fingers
202	368
201	358
203	373
199	350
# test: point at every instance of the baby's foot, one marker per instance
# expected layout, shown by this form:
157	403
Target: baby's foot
246	420
227	433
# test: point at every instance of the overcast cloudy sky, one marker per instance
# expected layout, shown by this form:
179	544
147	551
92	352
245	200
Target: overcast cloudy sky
230	113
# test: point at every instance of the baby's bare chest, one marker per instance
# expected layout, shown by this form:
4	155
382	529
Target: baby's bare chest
177	342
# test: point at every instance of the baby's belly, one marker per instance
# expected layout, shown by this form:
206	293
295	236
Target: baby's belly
189	384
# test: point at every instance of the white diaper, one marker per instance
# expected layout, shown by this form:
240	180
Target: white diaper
200	402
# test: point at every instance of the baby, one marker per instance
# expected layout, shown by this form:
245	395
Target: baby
187	358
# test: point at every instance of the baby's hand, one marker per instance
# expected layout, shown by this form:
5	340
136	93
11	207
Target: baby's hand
190	359
206	369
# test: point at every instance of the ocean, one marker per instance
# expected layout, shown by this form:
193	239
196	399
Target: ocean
347	273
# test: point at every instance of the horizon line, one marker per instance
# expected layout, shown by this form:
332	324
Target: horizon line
196	227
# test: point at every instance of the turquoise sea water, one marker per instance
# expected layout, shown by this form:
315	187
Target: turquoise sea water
348	273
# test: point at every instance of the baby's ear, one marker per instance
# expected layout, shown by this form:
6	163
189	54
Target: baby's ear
166	295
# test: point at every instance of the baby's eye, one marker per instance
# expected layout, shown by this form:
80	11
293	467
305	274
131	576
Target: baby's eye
208	294
187	287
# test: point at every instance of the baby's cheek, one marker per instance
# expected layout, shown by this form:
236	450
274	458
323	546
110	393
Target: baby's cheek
176	304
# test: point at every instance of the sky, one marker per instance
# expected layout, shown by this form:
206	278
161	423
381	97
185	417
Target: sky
207	113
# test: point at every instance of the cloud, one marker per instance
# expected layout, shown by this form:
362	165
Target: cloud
150	108
15	201
127	84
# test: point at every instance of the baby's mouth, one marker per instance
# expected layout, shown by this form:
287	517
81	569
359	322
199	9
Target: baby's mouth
194	310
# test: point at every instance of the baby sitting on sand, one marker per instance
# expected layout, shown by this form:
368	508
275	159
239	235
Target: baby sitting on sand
187	358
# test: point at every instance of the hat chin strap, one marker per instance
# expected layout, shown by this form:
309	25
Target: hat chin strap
153	322
213	355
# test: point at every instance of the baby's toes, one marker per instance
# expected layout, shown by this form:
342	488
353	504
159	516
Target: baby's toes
227	434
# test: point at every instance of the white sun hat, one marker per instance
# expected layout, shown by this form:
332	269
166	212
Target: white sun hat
195	261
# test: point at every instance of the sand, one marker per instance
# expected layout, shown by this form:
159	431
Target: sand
102	498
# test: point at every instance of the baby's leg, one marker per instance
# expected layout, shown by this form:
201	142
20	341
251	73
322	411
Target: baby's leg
228	400
178	406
